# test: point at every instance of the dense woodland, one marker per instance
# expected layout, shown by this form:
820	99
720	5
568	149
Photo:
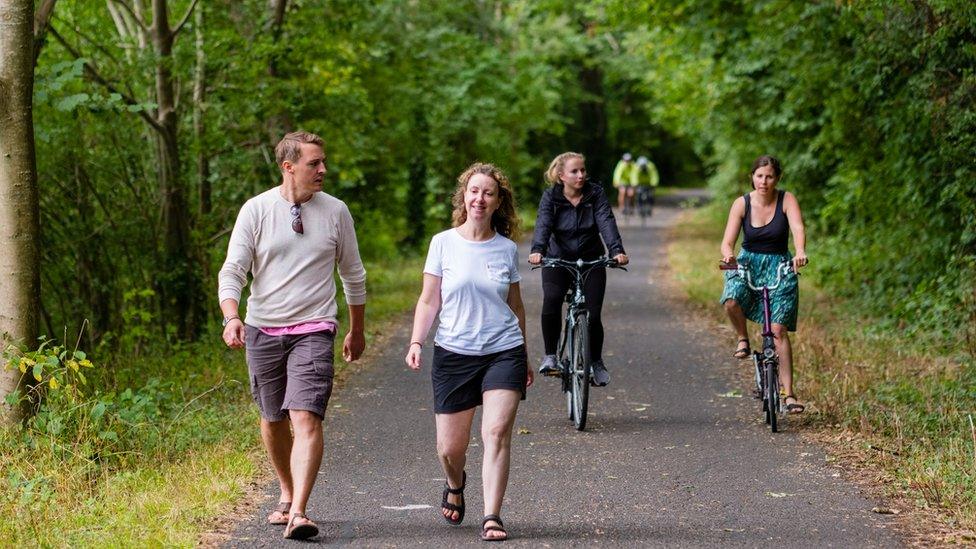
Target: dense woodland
156	119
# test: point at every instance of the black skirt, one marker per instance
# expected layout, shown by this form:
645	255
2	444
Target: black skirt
459	380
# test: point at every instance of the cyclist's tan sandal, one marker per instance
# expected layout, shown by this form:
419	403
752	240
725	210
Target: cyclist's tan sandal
500	528
796	407
742	353
459	508
304	530
280	513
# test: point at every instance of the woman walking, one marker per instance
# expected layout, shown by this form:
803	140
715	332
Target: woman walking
766	217
471	277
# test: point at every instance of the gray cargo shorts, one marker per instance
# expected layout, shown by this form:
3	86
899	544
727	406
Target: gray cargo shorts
289	372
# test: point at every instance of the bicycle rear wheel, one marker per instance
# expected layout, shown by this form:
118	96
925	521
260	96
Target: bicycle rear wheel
580	371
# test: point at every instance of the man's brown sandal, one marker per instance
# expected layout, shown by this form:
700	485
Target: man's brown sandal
304	530
279	515
742	353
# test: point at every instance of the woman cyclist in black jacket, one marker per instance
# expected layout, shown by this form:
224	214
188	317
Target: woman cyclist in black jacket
573	216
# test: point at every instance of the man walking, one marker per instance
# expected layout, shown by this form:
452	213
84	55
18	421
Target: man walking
291	238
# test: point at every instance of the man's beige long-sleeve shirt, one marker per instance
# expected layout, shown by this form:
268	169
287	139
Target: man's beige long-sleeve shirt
293	280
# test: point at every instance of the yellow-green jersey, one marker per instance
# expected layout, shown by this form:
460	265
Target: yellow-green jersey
647	175
625	174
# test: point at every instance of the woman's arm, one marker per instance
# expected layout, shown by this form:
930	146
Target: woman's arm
732	228
423	317
543	228
515	303
606	223
795	217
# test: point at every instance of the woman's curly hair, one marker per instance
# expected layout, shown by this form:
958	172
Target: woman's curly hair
505	219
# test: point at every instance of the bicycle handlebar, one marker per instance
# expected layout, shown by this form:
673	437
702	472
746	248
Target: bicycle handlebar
742	269
579	264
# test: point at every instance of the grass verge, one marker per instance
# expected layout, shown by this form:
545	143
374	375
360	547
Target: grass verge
153	448
897	406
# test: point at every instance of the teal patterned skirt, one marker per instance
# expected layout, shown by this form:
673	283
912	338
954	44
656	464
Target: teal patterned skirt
783	300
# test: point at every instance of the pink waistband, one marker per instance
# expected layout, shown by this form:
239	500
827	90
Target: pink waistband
303	328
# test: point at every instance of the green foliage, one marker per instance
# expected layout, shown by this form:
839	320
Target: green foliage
871	106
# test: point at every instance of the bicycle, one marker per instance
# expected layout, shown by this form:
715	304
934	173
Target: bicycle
573	355
767	361
645	203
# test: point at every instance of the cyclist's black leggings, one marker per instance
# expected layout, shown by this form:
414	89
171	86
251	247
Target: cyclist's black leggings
555	283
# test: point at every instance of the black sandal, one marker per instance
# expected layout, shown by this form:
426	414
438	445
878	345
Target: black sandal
796	407
499	528
742	352
452	507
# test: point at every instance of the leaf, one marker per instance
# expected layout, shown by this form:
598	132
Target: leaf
98	410
12	398
37	371
53	383
108	435
731	394
71	102
80	355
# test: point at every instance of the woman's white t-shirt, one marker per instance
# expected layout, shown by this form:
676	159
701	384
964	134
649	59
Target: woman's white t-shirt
475	318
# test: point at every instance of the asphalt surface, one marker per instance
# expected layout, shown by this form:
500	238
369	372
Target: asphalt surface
670	457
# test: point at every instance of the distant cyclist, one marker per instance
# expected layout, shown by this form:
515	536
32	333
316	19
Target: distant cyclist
647	180
625	181
574	214
766	216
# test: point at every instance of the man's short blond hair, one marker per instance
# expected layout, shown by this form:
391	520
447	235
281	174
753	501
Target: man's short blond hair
290	146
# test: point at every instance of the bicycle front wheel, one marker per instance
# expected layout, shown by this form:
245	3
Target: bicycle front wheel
580	371
772	394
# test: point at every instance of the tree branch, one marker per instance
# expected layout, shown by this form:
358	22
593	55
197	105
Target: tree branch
93	74
186	17
42	19
135	17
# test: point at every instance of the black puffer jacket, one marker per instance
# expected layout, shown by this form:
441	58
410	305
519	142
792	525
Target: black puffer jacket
573	232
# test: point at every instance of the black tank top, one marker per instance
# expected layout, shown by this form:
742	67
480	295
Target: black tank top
771	238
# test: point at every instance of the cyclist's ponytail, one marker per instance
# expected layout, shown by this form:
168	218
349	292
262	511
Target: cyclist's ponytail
557	165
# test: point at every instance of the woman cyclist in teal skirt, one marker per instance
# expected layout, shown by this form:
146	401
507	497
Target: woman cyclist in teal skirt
766	217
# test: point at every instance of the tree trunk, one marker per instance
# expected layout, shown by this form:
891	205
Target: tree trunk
273	27
417	203
199	97
179	283
593	124
19	283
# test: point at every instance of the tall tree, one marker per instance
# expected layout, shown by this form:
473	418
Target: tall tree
19	280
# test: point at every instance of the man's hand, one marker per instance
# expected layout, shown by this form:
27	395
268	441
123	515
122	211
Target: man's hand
353	346
529	378
234	334
535	258
621	259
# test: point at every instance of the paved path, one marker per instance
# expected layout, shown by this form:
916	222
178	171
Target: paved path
665	461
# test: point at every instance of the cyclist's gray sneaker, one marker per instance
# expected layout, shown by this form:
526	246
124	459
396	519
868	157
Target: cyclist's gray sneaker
549	366
600	374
